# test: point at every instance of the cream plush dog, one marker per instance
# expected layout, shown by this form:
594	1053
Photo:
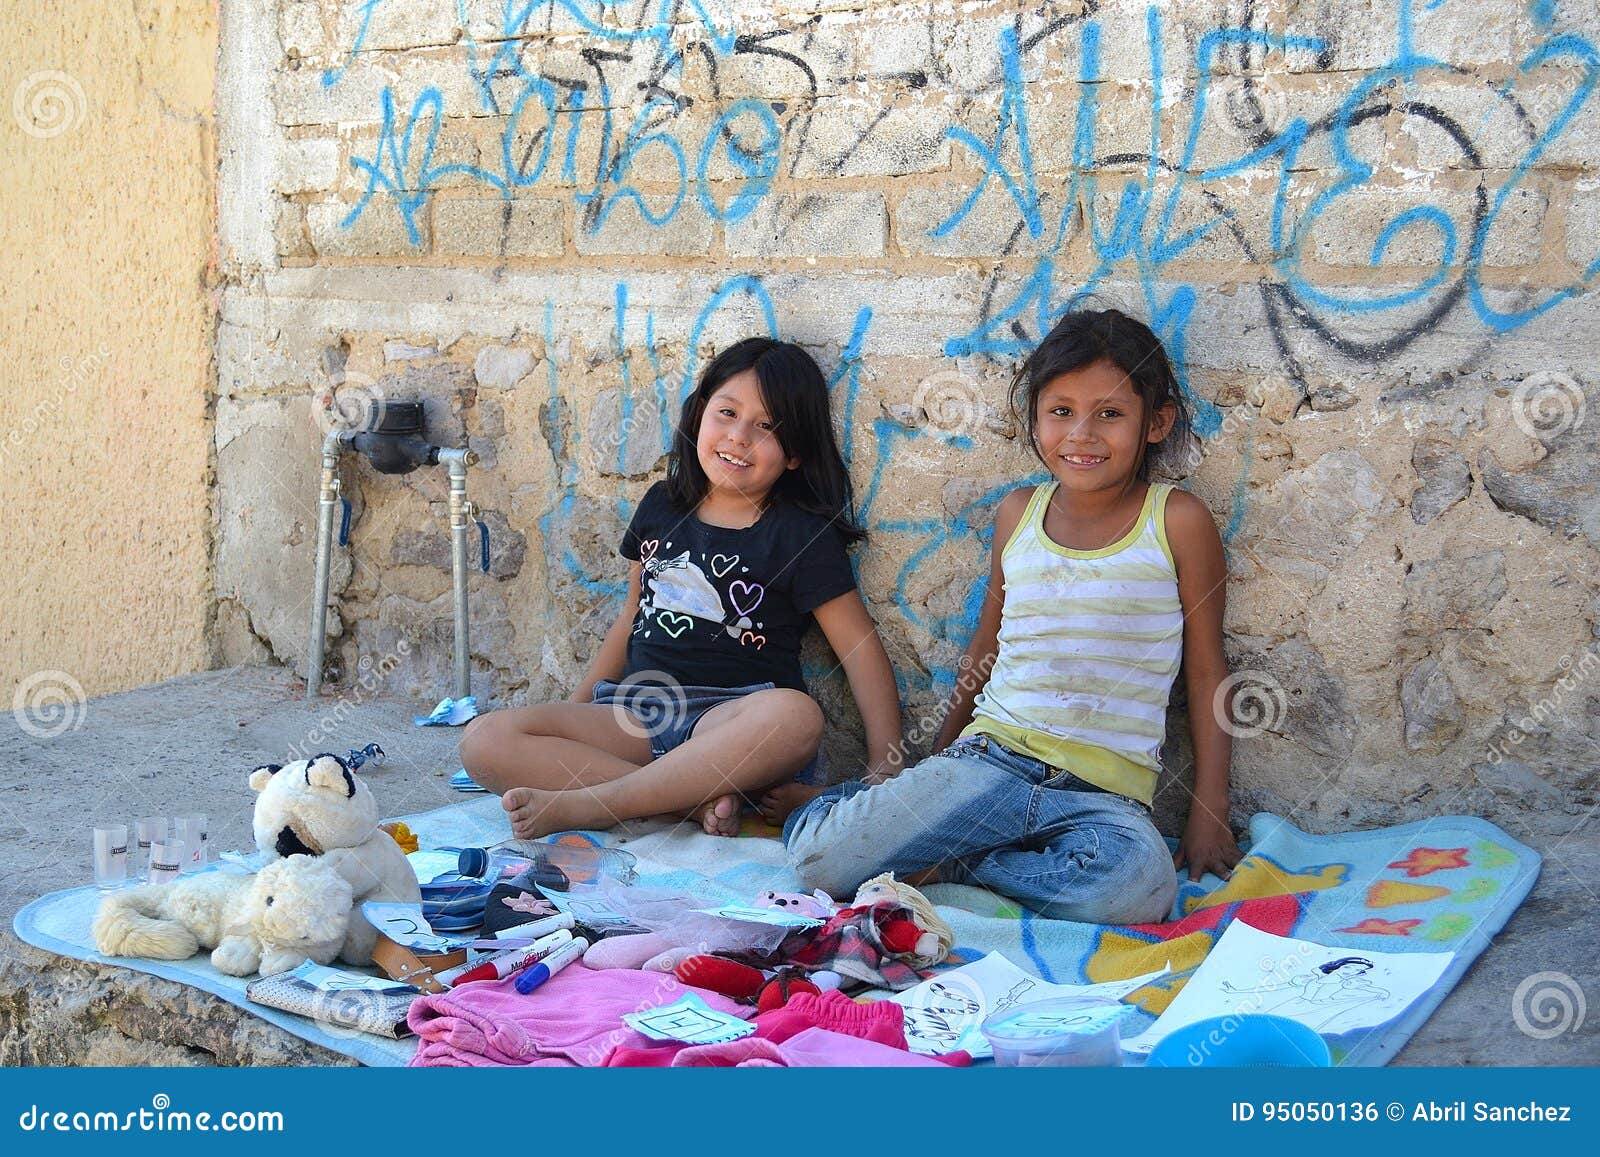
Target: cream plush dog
317	807
293	910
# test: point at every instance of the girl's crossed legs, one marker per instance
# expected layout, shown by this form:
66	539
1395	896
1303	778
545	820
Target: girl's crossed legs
586	766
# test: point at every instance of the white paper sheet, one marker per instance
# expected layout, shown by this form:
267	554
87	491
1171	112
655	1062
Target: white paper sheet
1331	990
946	1013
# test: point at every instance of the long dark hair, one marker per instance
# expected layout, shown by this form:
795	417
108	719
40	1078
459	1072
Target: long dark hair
796	397
1083	337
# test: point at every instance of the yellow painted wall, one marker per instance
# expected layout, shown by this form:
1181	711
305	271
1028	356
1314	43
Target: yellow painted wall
107	231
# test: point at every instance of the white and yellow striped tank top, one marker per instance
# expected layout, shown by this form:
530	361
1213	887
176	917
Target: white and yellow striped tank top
1089	646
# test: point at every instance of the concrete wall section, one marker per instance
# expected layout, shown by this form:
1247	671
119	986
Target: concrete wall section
106	228
1365	227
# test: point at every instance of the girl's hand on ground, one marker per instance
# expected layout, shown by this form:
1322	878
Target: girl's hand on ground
1207	846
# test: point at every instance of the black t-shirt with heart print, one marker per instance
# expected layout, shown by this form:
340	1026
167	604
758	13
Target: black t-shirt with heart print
720	607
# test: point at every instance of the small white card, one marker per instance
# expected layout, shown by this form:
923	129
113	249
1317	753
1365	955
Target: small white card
405	924
689	1020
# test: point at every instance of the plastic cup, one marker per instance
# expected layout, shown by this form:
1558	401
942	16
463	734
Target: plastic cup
191	829
1067	1032
111	856
149	830
1245	1040
166	861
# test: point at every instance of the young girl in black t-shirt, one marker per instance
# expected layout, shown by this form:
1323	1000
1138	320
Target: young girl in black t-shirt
695	699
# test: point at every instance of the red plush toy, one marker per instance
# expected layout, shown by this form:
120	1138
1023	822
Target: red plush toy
742	982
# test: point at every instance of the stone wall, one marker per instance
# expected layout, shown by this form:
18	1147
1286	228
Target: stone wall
1368	229
107	230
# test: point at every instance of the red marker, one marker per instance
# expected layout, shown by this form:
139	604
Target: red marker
501	966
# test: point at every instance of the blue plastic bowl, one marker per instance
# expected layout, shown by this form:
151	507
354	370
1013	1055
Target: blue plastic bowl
1249	1040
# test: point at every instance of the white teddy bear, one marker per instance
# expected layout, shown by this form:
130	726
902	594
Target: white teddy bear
317	807
293	910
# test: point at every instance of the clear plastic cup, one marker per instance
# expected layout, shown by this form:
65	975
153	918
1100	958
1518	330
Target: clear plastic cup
149	830
111	856
191	829
166	861
1068	1032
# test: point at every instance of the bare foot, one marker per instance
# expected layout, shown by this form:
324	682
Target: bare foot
778	802
536	813
719	817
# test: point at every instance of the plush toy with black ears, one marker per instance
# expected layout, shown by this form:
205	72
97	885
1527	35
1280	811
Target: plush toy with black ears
317	807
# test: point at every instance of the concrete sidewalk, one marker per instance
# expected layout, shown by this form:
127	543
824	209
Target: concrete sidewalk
186	745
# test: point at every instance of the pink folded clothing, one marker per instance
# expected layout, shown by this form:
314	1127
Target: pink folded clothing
574	1019
883	1021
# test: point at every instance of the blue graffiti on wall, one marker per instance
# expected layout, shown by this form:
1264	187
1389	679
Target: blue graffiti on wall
1133	232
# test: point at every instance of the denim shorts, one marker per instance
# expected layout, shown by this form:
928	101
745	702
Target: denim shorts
669	714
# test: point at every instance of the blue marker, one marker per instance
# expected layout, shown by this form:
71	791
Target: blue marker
550	965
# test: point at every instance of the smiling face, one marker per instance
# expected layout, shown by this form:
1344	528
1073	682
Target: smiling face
1089	427
737	444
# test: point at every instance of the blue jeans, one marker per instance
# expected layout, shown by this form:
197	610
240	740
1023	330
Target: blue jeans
989	816
669	715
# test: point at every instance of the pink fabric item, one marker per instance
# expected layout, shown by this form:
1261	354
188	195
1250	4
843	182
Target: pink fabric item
574	1019
819	1048
749	1052
883	1021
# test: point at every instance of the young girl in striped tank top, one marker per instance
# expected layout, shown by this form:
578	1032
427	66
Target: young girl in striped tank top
1101	583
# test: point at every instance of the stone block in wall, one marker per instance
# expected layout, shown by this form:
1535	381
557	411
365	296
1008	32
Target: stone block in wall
308	166
1346	231
380	230
624	435
1444	479
1453	593
994	226
289	231
902	45
300	31
496	227
813	225
486	19
627	231
395	26
857	139
430	547
814	61
499	367
1431	707
1583	224
1559	491
1288	689
455	146
1516	235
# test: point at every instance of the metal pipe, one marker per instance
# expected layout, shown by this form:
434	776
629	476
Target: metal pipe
327	500
461	513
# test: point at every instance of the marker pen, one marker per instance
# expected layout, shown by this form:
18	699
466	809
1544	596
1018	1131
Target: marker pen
537	928
550	965
503	964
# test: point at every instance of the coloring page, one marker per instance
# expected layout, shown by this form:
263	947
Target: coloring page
1331	990
946	1013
